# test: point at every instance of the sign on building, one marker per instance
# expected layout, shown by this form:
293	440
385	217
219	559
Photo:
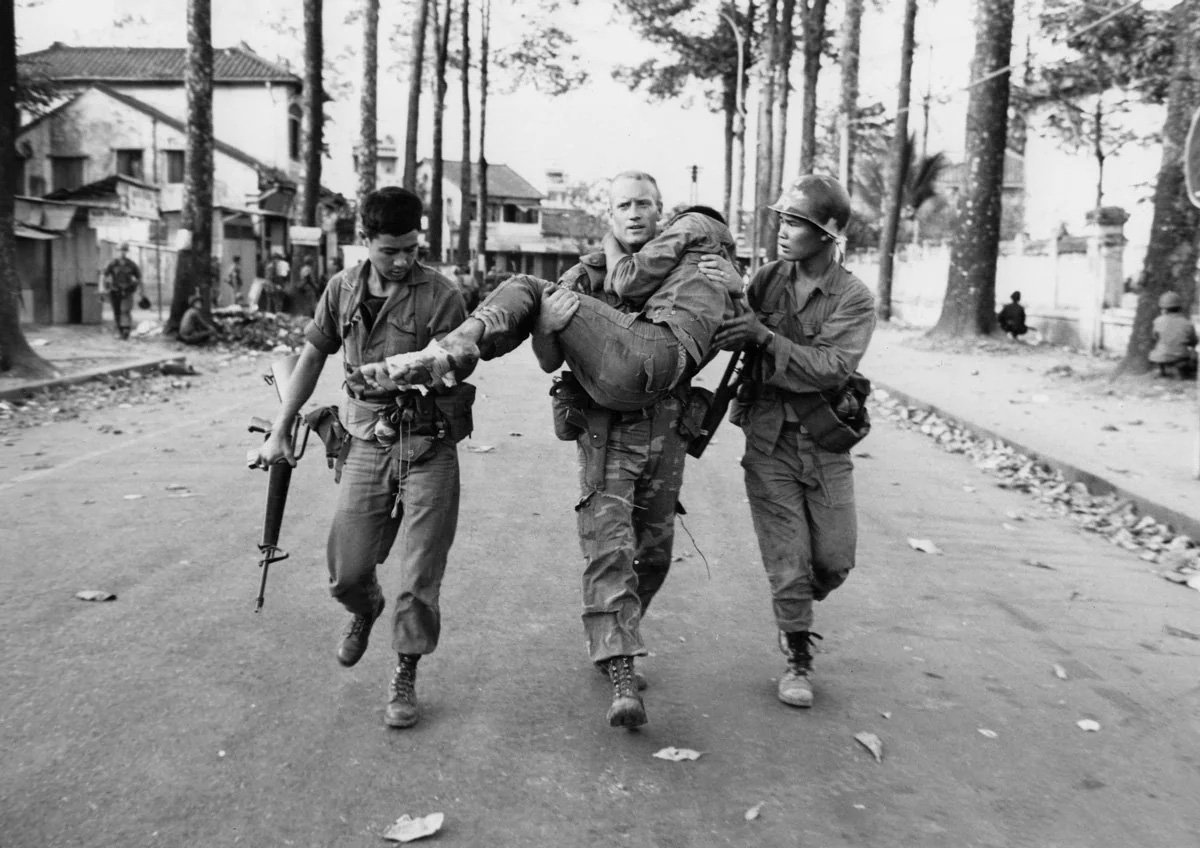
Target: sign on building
138	201
305	236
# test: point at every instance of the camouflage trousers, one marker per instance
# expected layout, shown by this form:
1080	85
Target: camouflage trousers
802	504
627	528
622	360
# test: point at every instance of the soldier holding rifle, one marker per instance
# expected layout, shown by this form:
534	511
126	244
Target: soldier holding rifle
399	464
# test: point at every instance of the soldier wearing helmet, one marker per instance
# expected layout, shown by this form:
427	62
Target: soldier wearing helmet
809	325
1174	338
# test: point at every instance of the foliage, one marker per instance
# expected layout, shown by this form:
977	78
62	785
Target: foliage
542	57
1105	68
919	197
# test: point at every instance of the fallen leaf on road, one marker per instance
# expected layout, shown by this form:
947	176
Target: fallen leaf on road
134	497
480	448
990	734
925	546
95	595
677	755
406	828
1037	563
1088	724
1109	428
886	715
863	455
1015	515
1008	526
753	812
176	487
872	743
39	342
1183	634
515	434
1060	672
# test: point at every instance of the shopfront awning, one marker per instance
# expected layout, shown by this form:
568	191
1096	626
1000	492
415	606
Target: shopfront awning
22	231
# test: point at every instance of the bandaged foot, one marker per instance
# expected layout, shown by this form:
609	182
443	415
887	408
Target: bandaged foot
433	366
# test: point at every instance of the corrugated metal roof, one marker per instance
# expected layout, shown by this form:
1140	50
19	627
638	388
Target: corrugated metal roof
503	181
64	63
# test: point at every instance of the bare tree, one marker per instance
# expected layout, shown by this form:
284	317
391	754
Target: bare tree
414	95
481	196
766	112
17	358
898	174
970	302
464	217
368	141
194	268
1170	263
441	37
812	20
851	38
312	136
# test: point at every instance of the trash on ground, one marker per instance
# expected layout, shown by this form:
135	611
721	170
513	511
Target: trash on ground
753	812
1037	563
990	734
1088	724
925	546
872	743
407	829
133	497
95	595
1060	672
677	755
886	714
176	487
480	448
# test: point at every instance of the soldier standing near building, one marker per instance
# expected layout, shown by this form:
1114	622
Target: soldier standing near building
809	324
122	280
400	478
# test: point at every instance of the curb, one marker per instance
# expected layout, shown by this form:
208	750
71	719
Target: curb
36	386
1097	485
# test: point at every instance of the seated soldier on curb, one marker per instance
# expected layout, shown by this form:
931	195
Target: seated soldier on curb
194	328
624	361
1012	317
1174	338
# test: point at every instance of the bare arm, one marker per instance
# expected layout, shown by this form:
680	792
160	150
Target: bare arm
278	446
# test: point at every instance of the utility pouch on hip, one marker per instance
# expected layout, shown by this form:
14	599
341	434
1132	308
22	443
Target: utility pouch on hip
838	420
595	446
325	422
568	401
696	404
454	411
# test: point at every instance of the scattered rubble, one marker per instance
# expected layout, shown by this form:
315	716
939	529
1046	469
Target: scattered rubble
1109	515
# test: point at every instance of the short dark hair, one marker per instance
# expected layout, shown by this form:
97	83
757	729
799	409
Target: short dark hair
392	211
703	210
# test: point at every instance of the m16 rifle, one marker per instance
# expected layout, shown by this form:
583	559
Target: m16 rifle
739	362
280	473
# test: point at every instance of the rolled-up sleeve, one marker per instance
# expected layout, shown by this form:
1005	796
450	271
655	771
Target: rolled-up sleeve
324	331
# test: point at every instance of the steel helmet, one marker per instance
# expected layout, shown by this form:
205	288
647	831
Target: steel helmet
1170	300
818	199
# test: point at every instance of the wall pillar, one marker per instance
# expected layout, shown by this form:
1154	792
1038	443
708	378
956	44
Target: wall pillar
1106	263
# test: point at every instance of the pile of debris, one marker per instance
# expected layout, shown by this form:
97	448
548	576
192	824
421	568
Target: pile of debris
68	402
1109	515
276	332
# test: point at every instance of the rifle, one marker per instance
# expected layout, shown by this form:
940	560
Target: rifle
280	474
726	389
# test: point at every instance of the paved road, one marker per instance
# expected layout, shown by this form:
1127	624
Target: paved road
175	716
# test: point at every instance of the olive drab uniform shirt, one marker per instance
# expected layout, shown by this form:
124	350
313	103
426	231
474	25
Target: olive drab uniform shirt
828	323
423	307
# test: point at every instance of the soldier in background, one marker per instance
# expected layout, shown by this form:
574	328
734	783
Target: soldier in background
122	280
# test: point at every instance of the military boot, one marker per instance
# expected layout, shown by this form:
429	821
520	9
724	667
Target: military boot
354	641
795	687
627	709
638	677
402	694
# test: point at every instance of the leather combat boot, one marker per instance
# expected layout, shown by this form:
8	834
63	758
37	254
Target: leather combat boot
402	694
795	687
354	641
627	709
638	677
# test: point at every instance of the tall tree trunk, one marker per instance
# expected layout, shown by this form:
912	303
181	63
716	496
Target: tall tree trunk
368	140
901	156
416	67
729	113
1098	148
785	48
17	358
311	139
464	217
766	111
969	307
481	196
441	34
194	271
1170	263
851	38
813	22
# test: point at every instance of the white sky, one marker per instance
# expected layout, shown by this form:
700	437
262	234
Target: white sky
592	132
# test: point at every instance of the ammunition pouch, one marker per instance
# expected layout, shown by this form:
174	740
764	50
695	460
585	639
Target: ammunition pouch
568	401
324	421
836	420
444	416
696	405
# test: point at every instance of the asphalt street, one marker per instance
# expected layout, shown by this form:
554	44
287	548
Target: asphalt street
174	715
